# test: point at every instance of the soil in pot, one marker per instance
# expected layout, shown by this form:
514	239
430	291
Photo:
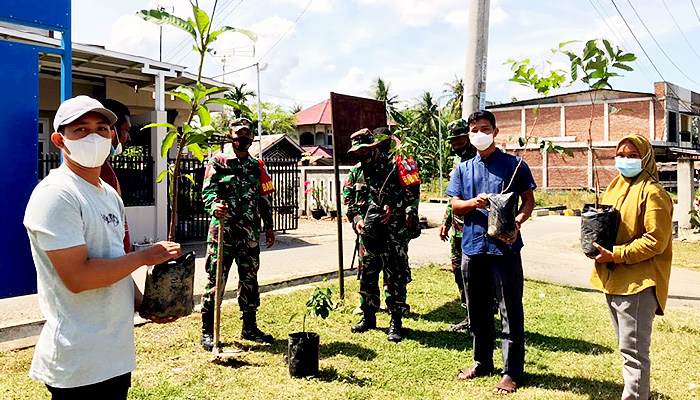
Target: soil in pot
169	288
302	353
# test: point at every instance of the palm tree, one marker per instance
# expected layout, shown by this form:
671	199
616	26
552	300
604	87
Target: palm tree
240	95
380	91
455	93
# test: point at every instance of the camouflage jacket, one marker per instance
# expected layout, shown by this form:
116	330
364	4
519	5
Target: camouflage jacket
364	184
449	219
237	181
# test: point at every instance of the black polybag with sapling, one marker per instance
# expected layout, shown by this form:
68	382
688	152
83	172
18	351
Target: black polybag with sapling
599	225
374	227
503	208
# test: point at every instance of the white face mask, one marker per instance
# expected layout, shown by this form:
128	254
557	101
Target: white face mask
481	140
90	151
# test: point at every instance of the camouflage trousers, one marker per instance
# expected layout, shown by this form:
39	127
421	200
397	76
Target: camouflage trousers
391	258
456	258
247	258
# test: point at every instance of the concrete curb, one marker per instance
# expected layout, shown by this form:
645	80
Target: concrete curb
25	334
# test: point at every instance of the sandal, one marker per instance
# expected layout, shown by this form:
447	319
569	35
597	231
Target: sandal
506	384
469	373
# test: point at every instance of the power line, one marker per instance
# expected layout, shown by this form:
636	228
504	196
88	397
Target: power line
657	43
694	9
619	36
175	51
285	33
680	30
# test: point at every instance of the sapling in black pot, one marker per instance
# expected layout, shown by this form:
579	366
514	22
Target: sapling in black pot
169	286
302	349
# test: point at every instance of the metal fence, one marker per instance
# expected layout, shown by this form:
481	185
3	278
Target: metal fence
285	199
135	174
192	218
47	162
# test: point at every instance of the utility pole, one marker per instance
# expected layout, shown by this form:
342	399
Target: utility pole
160	46
477	55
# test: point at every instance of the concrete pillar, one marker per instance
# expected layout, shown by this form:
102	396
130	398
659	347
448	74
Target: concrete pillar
477	52
161	164
545	170
686	192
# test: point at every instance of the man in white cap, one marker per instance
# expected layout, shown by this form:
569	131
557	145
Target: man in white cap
75	224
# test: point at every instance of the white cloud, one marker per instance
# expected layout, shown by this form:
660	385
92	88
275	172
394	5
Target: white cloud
132	35
354	83
318	6
417	13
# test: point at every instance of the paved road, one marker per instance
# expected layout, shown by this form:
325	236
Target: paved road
550	253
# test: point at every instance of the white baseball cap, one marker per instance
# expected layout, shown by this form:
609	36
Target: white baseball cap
74	108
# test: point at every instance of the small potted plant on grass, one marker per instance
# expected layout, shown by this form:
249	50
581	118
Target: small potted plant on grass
302	349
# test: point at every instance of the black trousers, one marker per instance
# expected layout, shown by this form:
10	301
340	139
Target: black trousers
112	389
485	277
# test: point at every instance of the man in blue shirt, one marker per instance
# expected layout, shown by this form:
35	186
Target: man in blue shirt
491	267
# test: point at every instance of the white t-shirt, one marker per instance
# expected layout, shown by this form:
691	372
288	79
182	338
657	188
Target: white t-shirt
89	336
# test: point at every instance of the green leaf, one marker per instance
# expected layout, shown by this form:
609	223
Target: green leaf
214	90
563	44
164	18
228	102
196	150
204	116
161	176
160	124
183	92
568	152
251	35
628	57
167	143
623	66
609	48
189	177
201	19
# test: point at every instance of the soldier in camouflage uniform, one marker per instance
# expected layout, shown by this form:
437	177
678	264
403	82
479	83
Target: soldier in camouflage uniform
378	206
462	150
236	186
384	139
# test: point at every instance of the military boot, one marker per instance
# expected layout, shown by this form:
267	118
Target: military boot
462	325
395	328
207	330
368	321
250	329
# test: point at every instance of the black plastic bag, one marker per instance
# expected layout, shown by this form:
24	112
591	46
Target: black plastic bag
302	354
415	229
503	208
169	289
374	227
598	225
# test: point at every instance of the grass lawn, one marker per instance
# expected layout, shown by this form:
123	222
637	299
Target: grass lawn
571	352
685	255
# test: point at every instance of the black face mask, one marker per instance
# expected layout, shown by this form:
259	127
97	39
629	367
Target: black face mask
465	152
367	159
242	143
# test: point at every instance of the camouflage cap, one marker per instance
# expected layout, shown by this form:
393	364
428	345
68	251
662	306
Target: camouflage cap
362	138
457	128
241	123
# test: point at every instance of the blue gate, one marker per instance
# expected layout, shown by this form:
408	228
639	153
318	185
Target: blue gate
19	80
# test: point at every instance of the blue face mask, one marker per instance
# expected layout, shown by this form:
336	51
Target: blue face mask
628	167
115	151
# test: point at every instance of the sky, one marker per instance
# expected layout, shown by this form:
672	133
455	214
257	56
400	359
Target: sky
314	47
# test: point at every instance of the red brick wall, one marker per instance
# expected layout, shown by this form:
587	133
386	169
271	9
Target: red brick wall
578	118
568	172
546	122
633	117
660	120
508	123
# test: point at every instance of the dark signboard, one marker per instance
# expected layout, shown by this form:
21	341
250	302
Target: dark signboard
44	14
350	114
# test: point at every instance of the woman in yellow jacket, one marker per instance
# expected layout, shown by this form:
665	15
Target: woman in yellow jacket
635	282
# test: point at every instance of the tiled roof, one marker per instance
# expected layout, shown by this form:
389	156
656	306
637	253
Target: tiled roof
320	114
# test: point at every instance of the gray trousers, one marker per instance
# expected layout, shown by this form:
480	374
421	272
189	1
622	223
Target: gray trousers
632	318
501	277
